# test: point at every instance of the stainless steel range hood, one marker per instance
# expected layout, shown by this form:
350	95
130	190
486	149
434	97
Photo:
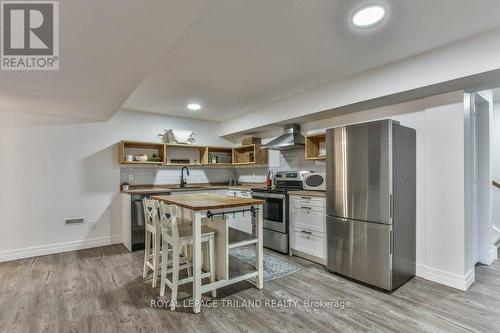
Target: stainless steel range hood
292	139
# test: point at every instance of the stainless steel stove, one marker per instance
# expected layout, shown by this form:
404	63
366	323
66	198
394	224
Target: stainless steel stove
276	214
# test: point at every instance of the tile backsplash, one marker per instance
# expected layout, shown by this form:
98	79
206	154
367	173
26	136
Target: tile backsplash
159	176
278	160
281	160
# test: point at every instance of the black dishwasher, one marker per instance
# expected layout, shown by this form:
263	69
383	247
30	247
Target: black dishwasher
137	220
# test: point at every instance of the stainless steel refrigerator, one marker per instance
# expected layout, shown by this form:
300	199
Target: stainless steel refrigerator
371	202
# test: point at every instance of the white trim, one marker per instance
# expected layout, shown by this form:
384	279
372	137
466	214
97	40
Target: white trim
492	256
457	281
35	251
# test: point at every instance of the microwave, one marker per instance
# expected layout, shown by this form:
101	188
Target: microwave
314	181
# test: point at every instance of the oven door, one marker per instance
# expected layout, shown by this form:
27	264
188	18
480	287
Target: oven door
274	210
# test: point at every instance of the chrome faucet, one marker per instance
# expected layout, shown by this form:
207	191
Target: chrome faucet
183	180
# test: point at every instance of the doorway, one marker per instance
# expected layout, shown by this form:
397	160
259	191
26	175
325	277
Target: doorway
480	233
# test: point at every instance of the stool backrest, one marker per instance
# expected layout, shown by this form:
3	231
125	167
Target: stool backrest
168	218
151	213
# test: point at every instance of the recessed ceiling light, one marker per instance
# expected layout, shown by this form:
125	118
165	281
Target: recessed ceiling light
194	106
368	16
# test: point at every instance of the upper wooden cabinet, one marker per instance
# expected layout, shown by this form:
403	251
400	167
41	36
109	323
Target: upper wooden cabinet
182	154
171	154
218	156
135	148
249	154
316	147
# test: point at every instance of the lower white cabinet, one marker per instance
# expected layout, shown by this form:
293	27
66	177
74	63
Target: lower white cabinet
310	218
308	228
239	221
309	242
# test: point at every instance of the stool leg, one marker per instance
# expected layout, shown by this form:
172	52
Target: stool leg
156	259
175	276
147	246
186	258
211	263
164	267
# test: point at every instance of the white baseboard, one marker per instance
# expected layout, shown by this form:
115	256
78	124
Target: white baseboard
42	250
493	255
457	281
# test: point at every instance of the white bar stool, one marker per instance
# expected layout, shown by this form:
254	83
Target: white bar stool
152	234
152	255
174	238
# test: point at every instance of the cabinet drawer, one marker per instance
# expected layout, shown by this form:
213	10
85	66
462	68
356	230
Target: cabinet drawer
309	201
189	192
309	242
243	194
309	217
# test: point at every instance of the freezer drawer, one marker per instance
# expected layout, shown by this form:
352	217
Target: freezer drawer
360	250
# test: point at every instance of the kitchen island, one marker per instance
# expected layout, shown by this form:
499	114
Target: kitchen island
213	210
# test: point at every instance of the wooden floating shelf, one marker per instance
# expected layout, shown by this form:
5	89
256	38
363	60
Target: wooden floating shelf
249	154
139	147
252	154
314	144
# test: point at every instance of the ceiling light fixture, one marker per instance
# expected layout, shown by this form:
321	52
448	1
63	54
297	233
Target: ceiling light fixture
368	16
194	106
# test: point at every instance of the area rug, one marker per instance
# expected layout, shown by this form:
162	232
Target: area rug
274	268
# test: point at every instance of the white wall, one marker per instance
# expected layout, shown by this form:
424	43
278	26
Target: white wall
439	123
495	141
482	248
53	170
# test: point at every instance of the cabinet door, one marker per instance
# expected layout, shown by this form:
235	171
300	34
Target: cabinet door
309	201
309	242
233	222
240	222
310	218
243	194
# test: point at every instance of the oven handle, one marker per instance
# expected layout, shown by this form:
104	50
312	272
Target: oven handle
267	195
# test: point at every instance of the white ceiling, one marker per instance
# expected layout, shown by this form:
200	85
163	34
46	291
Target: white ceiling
231	56
106	49
239	55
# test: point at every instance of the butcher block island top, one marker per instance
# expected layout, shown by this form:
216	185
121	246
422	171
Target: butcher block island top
206	201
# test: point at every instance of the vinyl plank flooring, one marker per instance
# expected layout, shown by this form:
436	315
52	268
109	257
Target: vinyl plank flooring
102	290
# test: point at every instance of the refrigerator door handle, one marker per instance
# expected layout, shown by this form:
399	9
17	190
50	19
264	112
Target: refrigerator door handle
392	206
392	243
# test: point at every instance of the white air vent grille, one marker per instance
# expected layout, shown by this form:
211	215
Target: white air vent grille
79	220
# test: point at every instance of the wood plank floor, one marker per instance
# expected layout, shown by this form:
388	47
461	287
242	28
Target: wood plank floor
101	290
